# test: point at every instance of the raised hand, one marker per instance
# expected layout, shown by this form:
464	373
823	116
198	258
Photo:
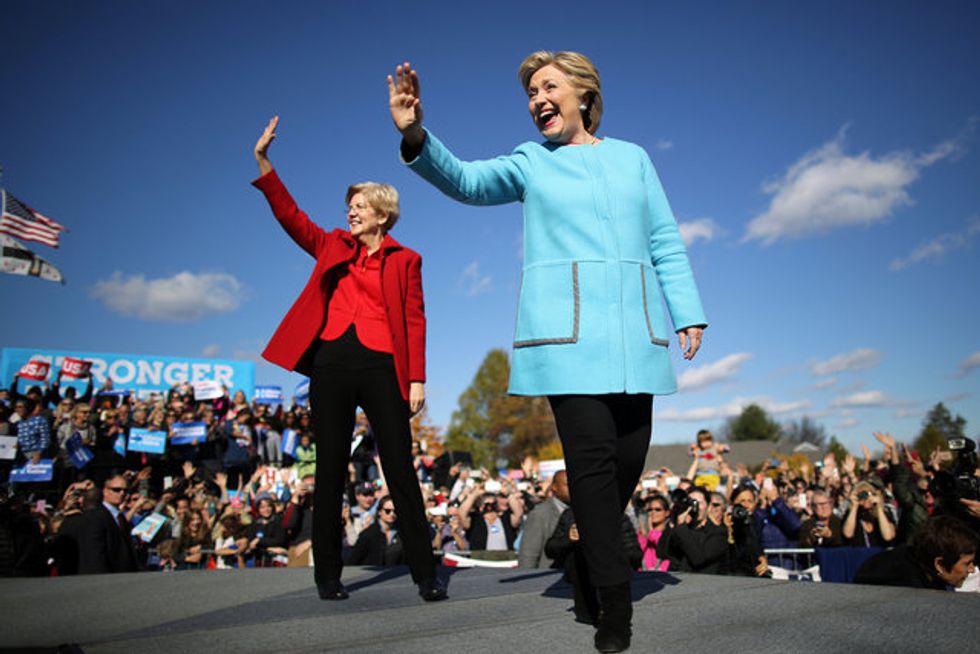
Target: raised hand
262	145
884	438
405	102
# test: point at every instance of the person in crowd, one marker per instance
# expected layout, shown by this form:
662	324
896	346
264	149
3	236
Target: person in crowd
297	521
867	523
240	440
541	522
380	543
305	455
447	534
33	432
364	508
488	526
824	529
80	428
652	528
230	543
776	525
717	505
195	539
706	468
585	256
941	557
358	331
104	542
695	544
266	536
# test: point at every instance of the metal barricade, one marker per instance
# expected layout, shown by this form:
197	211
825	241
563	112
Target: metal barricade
797	564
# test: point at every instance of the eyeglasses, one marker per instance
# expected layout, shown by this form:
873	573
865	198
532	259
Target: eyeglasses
717	505
115	489
387	510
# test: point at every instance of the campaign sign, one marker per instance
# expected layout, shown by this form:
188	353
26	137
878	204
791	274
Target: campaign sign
185	433
35	369
289	442
72	368
42	471
119	447
145	440
143	373
8	448
302	392
268	394
77	452
547	469
148	527
207	390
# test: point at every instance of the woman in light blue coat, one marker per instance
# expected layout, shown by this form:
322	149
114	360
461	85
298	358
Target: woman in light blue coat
600	247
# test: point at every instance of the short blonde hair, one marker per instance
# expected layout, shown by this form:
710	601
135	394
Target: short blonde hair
582	73
383	198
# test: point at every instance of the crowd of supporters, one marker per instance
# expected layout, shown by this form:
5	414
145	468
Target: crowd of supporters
236	499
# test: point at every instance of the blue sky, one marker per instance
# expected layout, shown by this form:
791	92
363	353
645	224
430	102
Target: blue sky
821	158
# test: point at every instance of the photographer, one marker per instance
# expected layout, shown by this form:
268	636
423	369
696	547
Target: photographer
867	523
695	544
745	555
824	529
910	492
941	557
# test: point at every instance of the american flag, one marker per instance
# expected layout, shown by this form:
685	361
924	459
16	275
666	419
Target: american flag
23	222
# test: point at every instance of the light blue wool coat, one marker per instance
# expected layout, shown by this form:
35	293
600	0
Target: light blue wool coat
600	246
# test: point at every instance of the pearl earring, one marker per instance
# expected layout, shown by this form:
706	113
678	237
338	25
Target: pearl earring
582	107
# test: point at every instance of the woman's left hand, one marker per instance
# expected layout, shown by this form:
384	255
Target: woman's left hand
692	336
416	397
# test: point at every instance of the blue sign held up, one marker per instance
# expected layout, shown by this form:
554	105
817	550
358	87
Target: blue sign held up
289	442
188	433
145	440
268	394
41	471
302	392
77	452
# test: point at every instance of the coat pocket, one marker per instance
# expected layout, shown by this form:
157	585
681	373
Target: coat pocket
648	285
549	309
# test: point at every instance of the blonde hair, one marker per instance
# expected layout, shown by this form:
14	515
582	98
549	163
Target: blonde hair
580	71
383	198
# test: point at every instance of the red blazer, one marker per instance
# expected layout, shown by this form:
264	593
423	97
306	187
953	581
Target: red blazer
401	288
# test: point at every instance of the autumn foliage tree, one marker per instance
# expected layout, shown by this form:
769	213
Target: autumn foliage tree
492	425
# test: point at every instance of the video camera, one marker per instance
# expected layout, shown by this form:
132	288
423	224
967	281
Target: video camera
961	482
680	502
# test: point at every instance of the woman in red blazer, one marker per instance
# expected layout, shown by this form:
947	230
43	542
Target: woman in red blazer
358	331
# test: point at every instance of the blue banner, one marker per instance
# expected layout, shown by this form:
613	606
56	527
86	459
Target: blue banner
268	394
77	452
145	440
302	392
147	528
42	471
188	433
143	373
120	445
289	442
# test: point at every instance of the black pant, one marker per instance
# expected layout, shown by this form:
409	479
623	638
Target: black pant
347	375
605	440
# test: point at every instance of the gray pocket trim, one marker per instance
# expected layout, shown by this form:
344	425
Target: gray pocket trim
567	340
646	311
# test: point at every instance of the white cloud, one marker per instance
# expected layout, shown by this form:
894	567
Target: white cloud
938	246
185	296
909	413
210	350
825	383
863	399
713	372
473	281
729	410
969	364
848	422
664	144
956	397
828	189
859	359
703	229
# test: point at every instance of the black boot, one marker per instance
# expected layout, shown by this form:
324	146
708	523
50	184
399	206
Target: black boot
586	603
615	618
331	589
432	591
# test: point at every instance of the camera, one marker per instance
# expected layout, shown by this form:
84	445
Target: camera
740	514
960	482
681	502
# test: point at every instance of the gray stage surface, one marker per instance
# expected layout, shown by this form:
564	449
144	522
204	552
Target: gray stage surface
489	610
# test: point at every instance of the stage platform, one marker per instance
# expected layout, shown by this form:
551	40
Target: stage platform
489	610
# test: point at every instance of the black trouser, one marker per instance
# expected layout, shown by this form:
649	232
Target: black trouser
605	440
347	375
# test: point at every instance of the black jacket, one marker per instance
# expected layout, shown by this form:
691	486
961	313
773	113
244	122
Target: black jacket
897	567
372	548
559	546
696	549
102	545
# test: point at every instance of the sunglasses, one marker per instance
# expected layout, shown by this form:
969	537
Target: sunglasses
387	510
717	505
115	489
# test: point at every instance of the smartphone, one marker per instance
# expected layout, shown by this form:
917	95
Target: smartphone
167	482
648	484
767	484
801	498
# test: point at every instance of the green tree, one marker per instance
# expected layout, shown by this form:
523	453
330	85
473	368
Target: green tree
938	426
754	424
805	430
839	451
490	424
